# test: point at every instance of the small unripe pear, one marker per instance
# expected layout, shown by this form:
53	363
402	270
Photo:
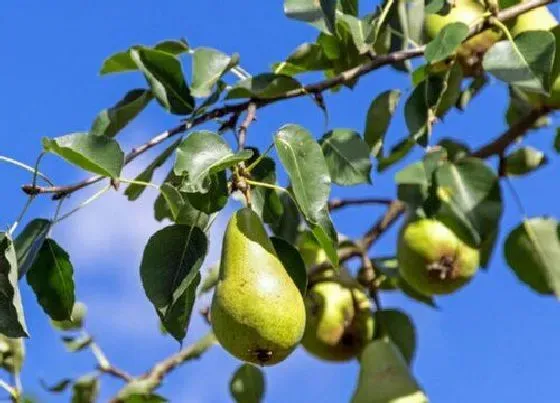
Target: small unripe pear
339	321
257	312
433	259
469	53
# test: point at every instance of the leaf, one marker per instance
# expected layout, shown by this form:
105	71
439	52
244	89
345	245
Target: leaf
51	278
400	329
145	398
524	160
326	235
176	317
385	377
470	195
418	109
208	66
58	387
215	198
292	262
532	250
247	384
265	201
452	87
12	321
358	30
397	153
98	154
557	140
306	57
286	226
76	343
328	7
171	262
349	7
474	88
85	389
122	61
263	86
134	190
29	242
173	199
310	11
201	154
165	76
446	42
111	121
305	164
347	157
525	62
378	120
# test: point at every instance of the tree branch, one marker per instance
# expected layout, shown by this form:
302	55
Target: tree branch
519	129
315	88
336	204
251	116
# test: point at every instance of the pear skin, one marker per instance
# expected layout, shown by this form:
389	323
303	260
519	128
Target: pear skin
432	259
258	313
339	321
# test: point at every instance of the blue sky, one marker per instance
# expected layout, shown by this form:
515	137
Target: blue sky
494	341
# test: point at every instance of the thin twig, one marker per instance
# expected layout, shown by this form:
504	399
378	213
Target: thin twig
519	129
26	167
336	204
251	116
395	210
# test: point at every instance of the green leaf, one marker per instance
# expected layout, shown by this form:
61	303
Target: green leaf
98	154
385	376
85	389
557	140
306	57
286	226
164	74
74	344
264	86
292	262
397	153
12	321
525	63
201	154
532	250
347	157
470	197
265	201
58	387
399	328
122	61
215	198
350	7
52	280
305	164
452	87
111	121
359	30
378	119
29	242
76	321
208	66
247	384
310	11
134	190
524	160
171	262
446	42
419	111
328	7
326	235
145	398
454	149
474	88
173	199
176	317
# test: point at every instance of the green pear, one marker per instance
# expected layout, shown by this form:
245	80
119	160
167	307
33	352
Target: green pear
385	377
432	258
541	19
469	53
258	313
339	321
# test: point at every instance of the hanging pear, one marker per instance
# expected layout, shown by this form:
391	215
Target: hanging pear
385	377
258	313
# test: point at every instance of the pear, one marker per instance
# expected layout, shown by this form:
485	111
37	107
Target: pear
469	53
541	19
433	259
258	313
385	377
339	321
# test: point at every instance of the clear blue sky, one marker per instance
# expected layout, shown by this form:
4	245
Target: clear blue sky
494	341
